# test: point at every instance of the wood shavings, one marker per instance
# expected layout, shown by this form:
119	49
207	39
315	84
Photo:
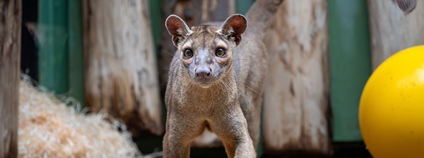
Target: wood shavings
49	128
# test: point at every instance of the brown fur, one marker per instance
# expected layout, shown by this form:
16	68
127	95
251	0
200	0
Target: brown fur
233	97
193	106
250	63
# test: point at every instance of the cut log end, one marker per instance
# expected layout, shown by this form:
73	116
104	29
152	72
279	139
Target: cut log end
407	6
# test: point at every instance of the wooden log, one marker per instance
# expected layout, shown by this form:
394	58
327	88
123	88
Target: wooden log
392	29
120	75
296	102
193	12
10	50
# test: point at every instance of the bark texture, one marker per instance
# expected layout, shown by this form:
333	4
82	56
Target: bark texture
10	50
296	102
121	75
392	29
193	12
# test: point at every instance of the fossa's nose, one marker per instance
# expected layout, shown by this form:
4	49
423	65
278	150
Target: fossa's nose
203	72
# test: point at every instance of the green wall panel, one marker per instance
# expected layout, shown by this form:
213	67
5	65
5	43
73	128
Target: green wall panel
242	6
61	47
350	64
156	22
53	45
76	52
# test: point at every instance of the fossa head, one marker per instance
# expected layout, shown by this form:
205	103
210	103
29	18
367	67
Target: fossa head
206	51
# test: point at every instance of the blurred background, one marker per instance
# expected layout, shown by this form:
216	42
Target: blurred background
113	56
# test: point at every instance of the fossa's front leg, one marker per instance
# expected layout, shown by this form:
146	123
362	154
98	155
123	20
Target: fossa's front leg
231	127
252	112
174	147
180	131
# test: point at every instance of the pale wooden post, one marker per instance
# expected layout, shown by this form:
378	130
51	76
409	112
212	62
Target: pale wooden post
10	53
121	72
392	30
296	102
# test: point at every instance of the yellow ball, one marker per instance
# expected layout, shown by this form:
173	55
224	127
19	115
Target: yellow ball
391	112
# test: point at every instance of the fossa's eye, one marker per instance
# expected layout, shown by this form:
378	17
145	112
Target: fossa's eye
220	52
188	53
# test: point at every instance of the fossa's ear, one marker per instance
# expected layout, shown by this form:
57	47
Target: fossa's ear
233	27
177	28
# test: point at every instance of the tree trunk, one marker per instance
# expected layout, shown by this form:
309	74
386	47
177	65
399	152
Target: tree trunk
193	12
121	75
10	50
392	30
296	103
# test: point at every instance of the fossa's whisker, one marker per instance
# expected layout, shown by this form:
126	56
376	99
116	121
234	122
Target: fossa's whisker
170	54
225	85
250	88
